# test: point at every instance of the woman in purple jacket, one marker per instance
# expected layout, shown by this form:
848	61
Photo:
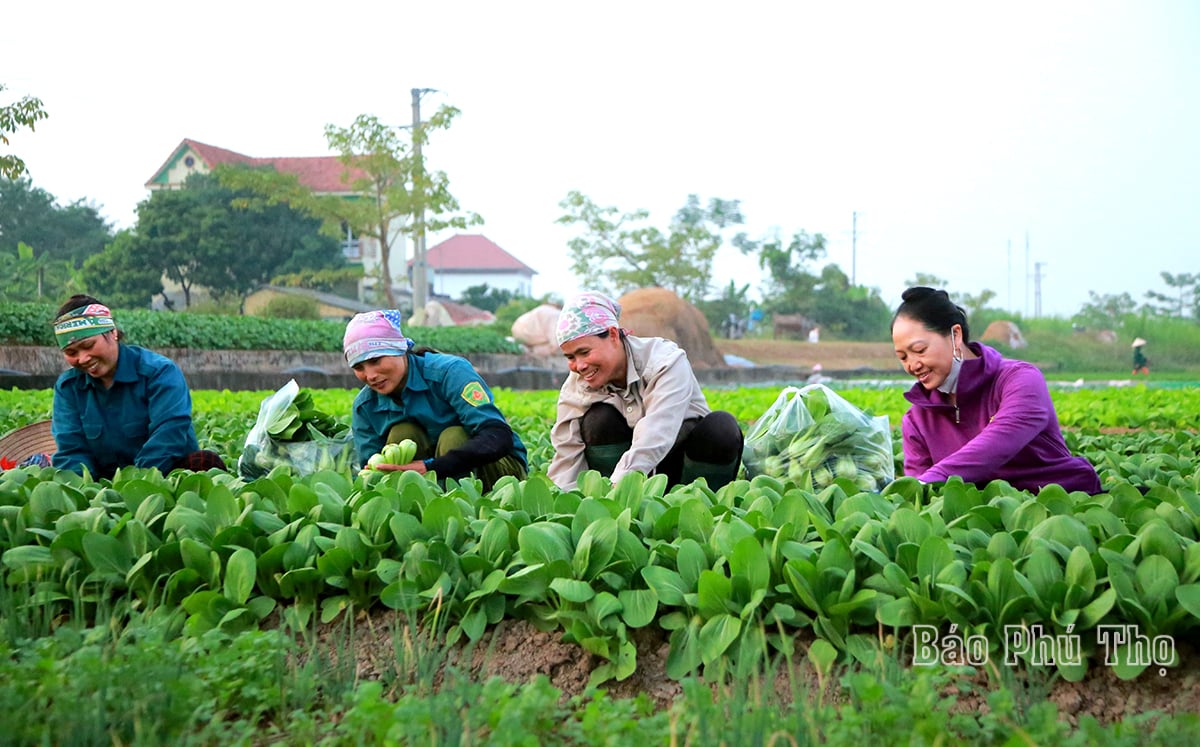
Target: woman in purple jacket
974	413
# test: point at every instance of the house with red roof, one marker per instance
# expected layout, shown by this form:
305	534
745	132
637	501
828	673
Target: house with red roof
321	174
454	265
469	259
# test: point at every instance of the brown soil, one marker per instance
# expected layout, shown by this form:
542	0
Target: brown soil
833	356
517	652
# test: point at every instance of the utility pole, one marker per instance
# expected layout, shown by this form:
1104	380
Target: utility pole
853	247
1010	275
1027	273
1037	289
420	282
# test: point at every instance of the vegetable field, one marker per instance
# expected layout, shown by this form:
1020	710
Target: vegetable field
329	608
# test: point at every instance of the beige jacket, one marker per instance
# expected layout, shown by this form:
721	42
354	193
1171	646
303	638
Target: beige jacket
660	392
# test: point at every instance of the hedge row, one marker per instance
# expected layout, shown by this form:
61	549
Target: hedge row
29	324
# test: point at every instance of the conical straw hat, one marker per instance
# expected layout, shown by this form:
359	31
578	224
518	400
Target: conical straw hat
24	442
1138	343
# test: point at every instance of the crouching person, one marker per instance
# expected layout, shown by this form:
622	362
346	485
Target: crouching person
633	404
118	405
436	400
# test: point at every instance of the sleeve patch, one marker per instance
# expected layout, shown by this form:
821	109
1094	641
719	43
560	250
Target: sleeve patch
475	395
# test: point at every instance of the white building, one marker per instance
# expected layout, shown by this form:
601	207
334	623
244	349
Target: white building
471	259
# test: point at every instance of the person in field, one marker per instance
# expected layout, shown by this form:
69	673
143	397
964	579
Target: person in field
438	401
976	414
118	405
633	404
1140	364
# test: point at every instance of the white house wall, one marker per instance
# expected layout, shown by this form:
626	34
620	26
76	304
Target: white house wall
454	284
397	262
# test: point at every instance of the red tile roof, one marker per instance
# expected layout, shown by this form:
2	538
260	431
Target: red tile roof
319	173
469	252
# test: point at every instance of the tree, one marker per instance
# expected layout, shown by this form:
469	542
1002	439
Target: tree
34	278
828	298
342	281
617	253
31	215
733	303
852	311
391	186
489	299
121	276
789	283
209	235
24	113
1183	302
1105	312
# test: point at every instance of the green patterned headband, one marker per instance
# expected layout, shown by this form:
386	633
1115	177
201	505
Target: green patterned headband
85	321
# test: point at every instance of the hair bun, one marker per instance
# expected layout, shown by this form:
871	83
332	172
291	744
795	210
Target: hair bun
920	293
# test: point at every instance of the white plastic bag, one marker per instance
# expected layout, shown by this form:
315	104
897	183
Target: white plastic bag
813	430
305	449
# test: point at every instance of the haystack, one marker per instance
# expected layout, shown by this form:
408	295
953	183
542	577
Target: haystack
658	312
535	329
1005	333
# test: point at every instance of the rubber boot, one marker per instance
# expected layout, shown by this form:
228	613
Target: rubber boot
604	458
716	475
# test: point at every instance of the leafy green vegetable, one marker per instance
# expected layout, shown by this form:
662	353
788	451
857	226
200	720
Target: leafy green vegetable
812	431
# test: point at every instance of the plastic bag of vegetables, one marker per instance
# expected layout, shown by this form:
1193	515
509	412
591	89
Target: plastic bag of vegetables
291	431
813	430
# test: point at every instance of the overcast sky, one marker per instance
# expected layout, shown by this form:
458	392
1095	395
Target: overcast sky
953	130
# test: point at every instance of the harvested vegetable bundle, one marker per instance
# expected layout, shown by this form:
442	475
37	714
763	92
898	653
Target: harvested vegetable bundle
813	431
290	431
398	453
302	421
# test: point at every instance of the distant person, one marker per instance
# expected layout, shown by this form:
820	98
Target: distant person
976	414
118	405
1140	364
438	401
816	377
633	404
733	327
756	318
814	334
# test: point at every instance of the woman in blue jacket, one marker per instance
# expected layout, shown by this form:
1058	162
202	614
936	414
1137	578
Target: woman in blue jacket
118	405
438	401
975	413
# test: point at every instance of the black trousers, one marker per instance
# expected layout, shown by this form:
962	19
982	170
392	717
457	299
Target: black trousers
714	439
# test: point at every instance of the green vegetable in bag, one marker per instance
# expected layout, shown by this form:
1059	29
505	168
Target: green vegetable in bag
290	432
812	431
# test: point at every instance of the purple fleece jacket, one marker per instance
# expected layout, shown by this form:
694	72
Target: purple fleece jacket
1004	428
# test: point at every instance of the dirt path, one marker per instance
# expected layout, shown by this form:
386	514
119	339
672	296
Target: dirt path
833	356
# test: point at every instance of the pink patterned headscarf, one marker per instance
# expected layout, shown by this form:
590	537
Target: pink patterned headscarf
589	313
374	334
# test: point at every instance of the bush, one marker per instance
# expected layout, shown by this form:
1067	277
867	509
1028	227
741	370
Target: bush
291	307
29	324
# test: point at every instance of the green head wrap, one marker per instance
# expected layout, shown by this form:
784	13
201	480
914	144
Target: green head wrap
85	321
